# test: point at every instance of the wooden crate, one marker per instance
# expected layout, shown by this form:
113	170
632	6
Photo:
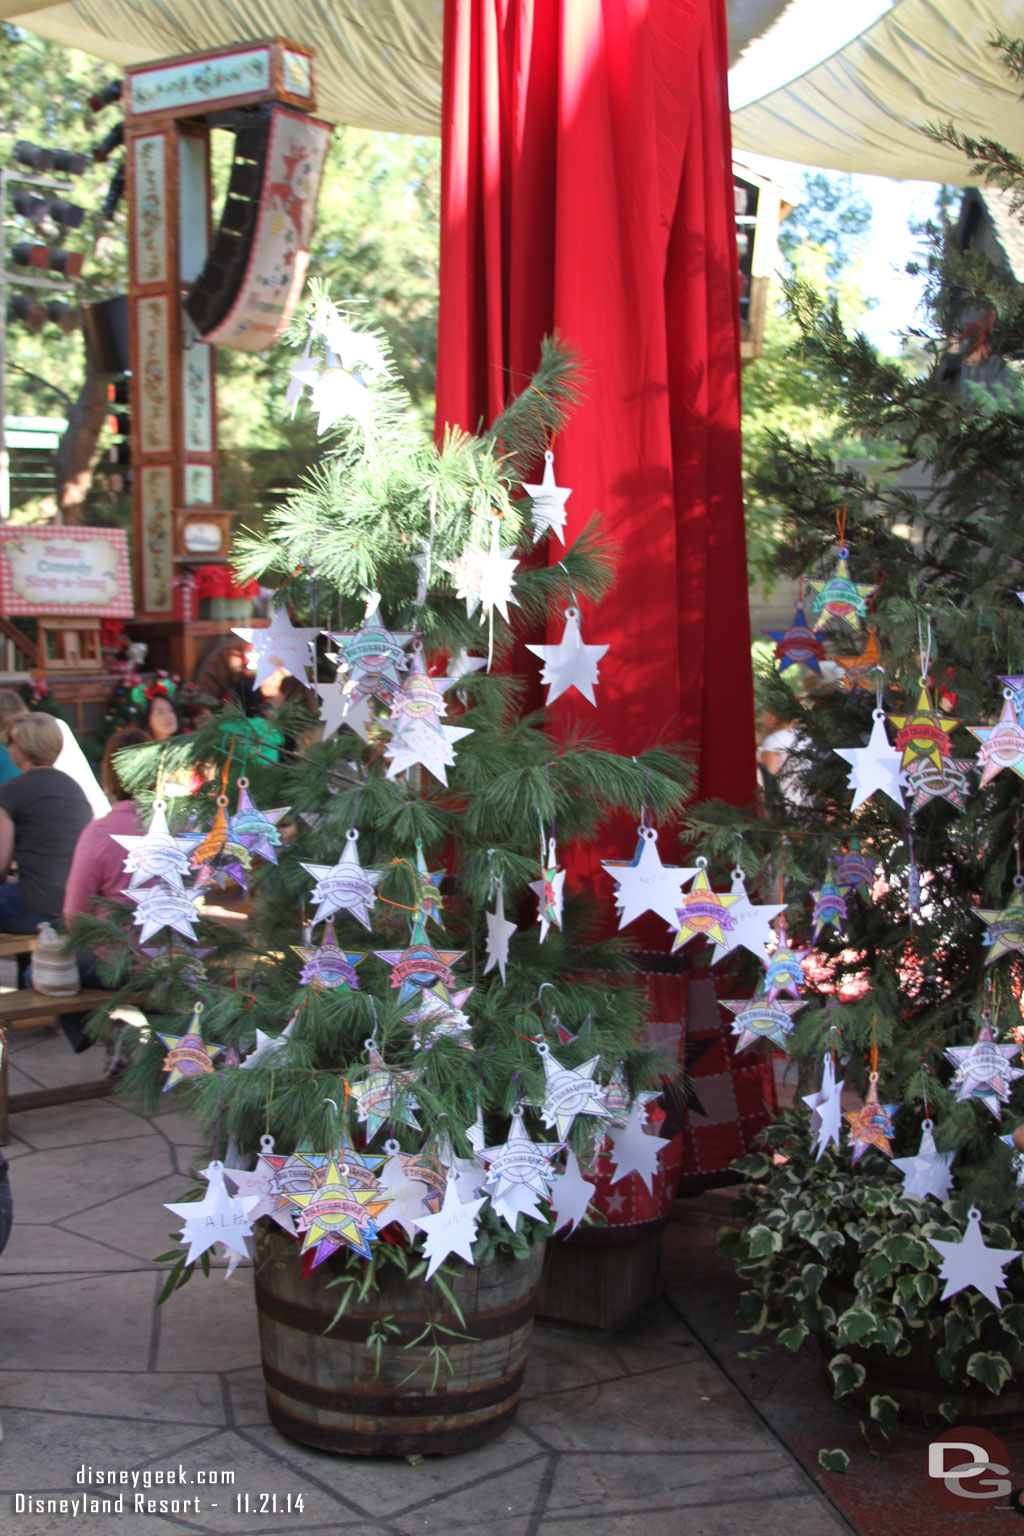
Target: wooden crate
69	644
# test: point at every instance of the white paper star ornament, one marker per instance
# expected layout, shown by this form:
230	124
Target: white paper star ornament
499	932
571	1194
419	742
927	1173
569	1092
826	1109
549	890
548	511
339	705
751	925
969	1262
878	766
280	644
570	663
218	1217
345	886
156	855
645	884
452	1229
634	1151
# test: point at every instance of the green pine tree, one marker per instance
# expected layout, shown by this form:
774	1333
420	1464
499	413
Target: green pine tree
385	494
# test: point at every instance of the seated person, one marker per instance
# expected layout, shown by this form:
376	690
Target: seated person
97	869
42	812
12	707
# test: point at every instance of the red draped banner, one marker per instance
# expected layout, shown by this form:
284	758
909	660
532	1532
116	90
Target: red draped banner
587	190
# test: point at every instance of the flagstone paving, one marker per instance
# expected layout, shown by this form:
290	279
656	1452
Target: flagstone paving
640	1431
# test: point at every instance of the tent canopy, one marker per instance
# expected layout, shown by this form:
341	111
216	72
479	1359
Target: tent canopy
378	61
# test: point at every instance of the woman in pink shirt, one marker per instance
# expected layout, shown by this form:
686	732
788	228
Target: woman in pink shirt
97	867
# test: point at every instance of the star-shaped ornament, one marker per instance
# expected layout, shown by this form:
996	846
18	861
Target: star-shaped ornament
783	969
499	932
337	1215
330	965
420	697
406	1197
279	644
419	965
156	855
303	376
1017	1162
853	870
549	891
548	512
384	1095
864	669
645	884
437	1016
254	829
188	1055
970	1262
427	901
268	1045
338	395
925	733
1002	743
518	1163
570	663
1005	927
341	705
826	1109
829	909
373	655
345	886
703	910
356	350
927	1173
926	782
871	1125
162	906
433	747
634	1150
219	1217
568	1092
875	767
837	597
1015	683
571	1194
798	645
450	1230
759	1018
751	924
261	1187
484	577
983	1070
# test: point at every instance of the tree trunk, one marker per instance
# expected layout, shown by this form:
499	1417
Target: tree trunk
74	459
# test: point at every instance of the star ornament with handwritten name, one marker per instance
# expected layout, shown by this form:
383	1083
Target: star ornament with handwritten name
703	910
280	644
645	884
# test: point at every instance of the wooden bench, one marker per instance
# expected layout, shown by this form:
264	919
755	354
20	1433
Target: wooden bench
13	944
25	1009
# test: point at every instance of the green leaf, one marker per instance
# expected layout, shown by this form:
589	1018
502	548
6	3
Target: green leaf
751	1312
888	1332
885	1410
1012	1319
960	1331
903	1249
834	1461
991	1369
846	1374
762	1241
854	1325
813	1276
793	1337
926	1286
949	1412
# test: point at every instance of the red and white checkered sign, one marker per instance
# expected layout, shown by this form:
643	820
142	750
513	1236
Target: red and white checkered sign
78	572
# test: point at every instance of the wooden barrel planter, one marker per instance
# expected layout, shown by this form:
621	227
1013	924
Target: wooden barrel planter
323	1388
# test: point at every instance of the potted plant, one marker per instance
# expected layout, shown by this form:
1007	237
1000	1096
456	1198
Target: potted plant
415	1032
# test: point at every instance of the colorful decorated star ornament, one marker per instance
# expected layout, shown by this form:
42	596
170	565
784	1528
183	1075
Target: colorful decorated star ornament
635	1150
984	1070
162	906
256	830
548	513
568	1092
437	1016
427	901
571	1194
419	965
927	1173
703	911
645	884
826	1109
875	767
1002	744
373	655
1017	1162
761	1018
837	597
450	1230
499	932
863	670
570	663
219	1217
329	965
925	733
1015	683
1006	927
970	1263
156	855
751	923
420	697
798	645
280	644
484	577
549	890
188	1055
345	886
337	1215
871	1125
262	1187
384	1095
926	782
829	909
783	969
519	1167
430	746
853	871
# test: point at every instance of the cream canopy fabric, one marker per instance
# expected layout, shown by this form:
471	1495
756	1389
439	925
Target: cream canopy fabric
925	61
378	61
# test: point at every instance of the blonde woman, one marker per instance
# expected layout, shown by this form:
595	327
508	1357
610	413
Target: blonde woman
42	812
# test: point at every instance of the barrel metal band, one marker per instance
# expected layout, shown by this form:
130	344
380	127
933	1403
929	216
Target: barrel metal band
395	1404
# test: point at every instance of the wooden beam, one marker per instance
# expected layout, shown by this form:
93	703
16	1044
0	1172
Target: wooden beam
21	641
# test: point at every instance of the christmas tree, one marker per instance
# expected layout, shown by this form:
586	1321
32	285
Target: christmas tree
888	1225
418	1009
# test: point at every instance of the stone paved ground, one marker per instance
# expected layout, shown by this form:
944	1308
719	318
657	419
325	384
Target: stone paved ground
658	1427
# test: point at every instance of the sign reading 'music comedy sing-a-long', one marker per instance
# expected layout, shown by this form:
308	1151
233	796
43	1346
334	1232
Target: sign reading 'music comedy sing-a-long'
65	570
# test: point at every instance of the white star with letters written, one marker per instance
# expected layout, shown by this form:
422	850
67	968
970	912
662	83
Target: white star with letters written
645	884
280	644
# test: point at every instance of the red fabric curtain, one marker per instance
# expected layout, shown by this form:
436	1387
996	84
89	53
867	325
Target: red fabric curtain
587	189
